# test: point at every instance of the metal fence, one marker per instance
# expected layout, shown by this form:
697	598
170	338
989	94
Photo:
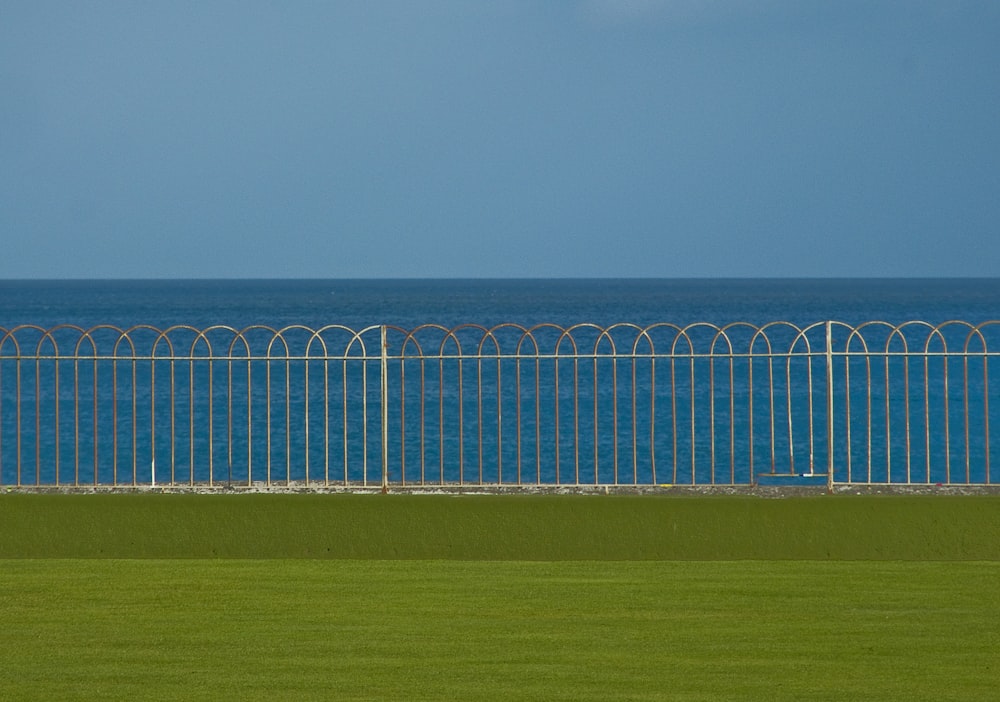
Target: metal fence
506	405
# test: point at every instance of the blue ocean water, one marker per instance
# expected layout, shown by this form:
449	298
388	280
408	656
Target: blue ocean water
408	303
919	430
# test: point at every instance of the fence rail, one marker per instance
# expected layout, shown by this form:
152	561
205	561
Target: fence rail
547	405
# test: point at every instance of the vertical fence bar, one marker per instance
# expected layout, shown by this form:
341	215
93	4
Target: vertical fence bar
288	418
38	415
384	355
249	419
596	425
499	419
36	435
58	441
711	414
829	406
18	420
152	420
652	415
135	421
986	413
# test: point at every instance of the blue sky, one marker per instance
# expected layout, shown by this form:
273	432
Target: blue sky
578	138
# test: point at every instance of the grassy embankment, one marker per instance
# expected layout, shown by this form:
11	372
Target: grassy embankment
489	598
500	527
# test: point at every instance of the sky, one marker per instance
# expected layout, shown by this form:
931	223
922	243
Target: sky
440	139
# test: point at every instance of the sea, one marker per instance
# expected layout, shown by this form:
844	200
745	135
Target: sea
942	426
409	303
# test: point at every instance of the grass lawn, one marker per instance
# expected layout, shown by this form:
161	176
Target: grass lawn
500	527
301	629
528	597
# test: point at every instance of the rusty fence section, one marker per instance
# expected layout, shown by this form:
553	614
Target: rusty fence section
505	405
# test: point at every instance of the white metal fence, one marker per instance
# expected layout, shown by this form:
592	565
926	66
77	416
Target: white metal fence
505	405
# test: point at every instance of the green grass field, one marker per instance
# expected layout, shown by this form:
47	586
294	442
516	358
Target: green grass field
499	527
751	599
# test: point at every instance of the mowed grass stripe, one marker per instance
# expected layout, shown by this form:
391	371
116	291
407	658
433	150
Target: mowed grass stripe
499	527
511	630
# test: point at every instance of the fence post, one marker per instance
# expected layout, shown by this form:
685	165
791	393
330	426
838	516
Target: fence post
385	409
829	406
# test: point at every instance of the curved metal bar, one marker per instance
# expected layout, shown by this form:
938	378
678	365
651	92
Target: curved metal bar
560	393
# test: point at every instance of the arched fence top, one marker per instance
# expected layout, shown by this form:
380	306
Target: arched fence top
507	403
507	339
